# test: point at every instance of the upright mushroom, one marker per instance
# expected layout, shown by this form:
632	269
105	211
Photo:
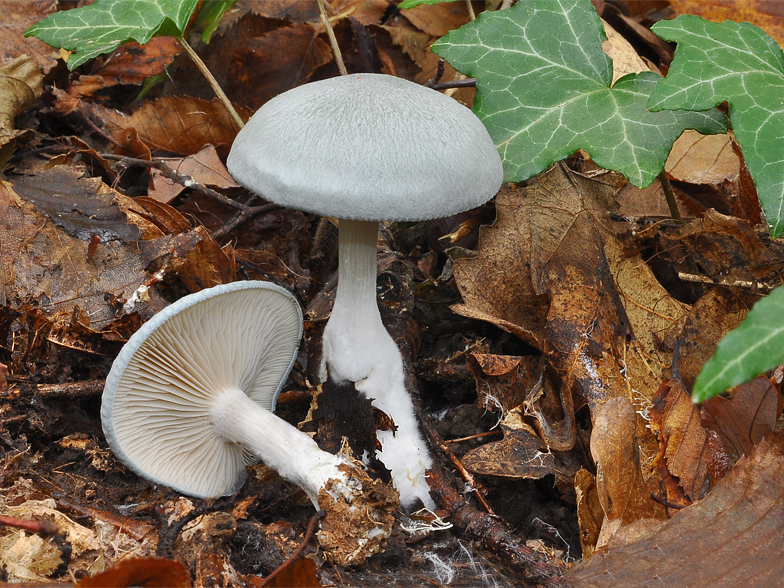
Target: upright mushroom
366	148
188	404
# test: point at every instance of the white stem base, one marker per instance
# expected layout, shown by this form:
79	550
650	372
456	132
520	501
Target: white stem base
281	446
360	512
358	348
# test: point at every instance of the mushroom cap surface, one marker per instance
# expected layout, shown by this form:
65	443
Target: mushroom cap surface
156	404
367	147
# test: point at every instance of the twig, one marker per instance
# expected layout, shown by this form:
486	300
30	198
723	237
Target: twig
670	196
472	482
455	84
308	534
212	81
460	81
472	437
760	286
246	212
74	390
534	568
332	40
46	527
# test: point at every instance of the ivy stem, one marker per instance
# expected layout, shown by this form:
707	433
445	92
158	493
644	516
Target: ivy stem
212	81
670	196
332	40
471	14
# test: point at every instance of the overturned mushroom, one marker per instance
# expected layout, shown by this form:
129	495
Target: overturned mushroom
188	404
366	148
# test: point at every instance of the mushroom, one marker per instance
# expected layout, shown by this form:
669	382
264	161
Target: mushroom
366	148
188	404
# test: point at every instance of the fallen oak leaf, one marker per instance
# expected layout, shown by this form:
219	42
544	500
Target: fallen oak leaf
683	441
521	454
733	537
204	167
20	85
743	420
148	572
623	491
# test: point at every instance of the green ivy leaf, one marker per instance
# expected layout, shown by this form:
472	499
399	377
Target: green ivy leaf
210	13
739	63
406	4
104	25
754	346
543	92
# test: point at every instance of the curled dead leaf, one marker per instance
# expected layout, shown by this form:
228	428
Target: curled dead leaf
623	491
733	537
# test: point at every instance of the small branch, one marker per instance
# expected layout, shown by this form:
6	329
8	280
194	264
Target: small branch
436	76
460	81
473	437
45	527
455	84
479	491
332	40
670	196
245	212
292	558
759	286
72	390
212	81
534	568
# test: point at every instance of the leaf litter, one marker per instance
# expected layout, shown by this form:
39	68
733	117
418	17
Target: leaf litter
577	330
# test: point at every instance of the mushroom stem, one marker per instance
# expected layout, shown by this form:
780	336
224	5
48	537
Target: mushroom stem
280	445
359	510
358	348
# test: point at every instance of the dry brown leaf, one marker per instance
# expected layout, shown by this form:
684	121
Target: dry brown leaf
176	125
651	312
548	243
266	265
624	58
521	454
502	381
506	382
74	332
697	332
147	572
132	63
42	262
743	420
368	12
733	537
17	18
437	19
168	219
204	167
700	159
79	206
623	491
682	439
254	60
590	515
20	85
193	256
766	14
724	250
301	572
496	285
